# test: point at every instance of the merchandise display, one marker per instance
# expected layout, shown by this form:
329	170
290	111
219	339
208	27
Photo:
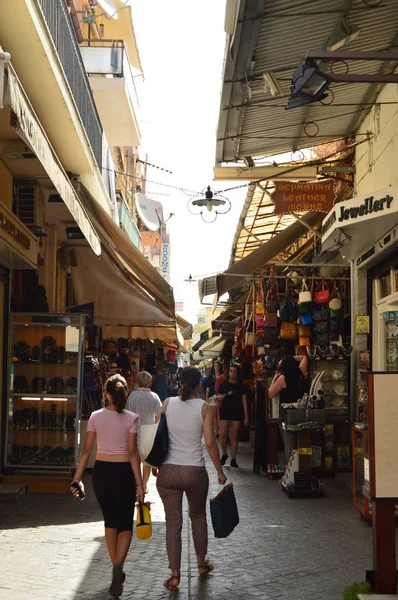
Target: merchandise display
44	391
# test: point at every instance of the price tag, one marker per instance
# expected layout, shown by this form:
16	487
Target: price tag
307	451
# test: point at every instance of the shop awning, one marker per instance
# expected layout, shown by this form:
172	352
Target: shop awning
258	259
186	328
121	308
140	269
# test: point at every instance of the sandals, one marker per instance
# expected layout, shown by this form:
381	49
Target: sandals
169	585
206	568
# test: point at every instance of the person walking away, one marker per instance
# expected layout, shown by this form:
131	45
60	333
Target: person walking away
159	384
147	405
233	410
208	383
188	418
116	474
290	382
219	378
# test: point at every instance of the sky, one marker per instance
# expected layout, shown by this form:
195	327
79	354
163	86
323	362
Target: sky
181	45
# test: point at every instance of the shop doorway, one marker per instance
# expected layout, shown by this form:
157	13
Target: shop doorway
4	288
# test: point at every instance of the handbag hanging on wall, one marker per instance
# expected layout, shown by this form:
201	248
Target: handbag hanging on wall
305	295
288	309
272	296
304	331
320	313
288	330
322	293
320	327
306	320
321	338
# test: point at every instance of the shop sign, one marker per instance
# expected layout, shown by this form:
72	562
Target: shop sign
17	235
28	127
290	196
165	262
369	206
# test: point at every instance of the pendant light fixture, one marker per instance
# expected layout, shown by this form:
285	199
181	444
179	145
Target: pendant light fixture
214	206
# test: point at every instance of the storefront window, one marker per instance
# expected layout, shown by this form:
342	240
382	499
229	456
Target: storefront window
385	284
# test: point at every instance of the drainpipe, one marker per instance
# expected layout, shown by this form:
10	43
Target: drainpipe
75	21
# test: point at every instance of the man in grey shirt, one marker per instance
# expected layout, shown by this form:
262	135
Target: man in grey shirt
147	405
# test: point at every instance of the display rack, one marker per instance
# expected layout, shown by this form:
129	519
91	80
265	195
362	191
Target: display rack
44	392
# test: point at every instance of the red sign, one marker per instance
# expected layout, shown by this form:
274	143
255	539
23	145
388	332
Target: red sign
290	196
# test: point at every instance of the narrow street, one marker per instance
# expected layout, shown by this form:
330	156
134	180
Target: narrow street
283	549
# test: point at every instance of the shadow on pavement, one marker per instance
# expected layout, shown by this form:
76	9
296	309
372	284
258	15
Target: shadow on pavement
42	510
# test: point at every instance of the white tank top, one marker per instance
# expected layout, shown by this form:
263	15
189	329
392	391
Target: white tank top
185	425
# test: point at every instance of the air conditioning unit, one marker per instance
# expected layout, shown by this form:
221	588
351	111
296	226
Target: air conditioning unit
29	207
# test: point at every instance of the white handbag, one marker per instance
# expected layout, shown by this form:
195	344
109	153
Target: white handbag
146	439
305	295
335	303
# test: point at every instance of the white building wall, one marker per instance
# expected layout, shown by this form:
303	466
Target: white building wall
376	160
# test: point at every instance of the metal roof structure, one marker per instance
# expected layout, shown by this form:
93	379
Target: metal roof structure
270	37
258	223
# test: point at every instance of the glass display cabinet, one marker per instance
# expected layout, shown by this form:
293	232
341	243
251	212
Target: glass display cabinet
44	399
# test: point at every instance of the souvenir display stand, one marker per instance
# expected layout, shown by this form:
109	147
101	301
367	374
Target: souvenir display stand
288	317
44	400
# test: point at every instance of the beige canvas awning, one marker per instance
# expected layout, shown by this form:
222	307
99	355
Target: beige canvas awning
121	308
129	256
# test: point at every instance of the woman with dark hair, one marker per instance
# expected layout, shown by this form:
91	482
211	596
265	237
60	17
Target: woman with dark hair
290	380
116	474
188	418
233	410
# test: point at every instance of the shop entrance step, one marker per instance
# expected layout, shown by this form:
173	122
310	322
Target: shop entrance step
41	483
11	493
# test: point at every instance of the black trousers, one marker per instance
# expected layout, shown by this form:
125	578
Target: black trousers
115	489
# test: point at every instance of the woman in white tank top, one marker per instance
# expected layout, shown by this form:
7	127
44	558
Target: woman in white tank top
188	418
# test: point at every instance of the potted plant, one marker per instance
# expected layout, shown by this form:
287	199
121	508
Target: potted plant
351	593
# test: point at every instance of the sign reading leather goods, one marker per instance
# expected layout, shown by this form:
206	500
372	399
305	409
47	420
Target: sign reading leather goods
290	196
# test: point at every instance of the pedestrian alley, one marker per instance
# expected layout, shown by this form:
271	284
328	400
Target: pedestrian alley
52	547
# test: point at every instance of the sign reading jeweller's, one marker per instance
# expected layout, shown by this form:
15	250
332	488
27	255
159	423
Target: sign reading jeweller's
376	213
368	206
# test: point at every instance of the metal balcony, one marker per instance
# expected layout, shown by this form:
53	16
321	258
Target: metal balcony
112	82
61	30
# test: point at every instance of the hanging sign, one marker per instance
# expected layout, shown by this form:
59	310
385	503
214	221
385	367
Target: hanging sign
165	262
290	196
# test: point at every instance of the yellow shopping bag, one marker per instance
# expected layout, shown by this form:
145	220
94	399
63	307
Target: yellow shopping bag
143	522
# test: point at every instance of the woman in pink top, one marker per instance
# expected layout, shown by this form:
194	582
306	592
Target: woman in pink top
116	474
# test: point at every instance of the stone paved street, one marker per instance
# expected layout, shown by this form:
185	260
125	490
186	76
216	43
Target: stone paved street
52	548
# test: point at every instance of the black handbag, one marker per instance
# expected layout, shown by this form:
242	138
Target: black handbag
288	310
320	327
336	325
160	446
224	512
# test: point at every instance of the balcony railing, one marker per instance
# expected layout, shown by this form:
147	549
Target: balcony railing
61	30
109	57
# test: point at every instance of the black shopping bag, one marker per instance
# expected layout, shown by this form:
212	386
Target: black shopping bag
224	512
160	446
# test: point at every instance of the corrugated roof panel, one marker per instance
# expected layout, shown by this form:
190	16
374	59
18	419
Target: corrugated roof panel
267	129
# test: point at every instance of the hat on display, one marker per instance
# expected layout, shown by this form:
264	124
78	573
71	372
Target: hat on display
38	385
56	385
20	384
35	355
71	385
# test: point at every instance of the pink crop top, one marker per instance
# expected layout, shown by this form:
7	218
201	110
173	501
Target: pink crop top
112	429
